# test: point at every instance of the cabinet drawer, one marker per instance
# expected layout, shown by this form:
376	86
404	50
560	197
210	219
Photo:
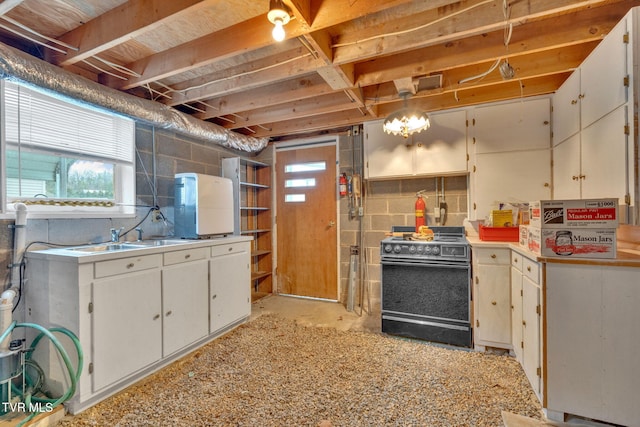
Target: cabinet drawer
516	260
177	257
126	265
232	248
492	256
531	269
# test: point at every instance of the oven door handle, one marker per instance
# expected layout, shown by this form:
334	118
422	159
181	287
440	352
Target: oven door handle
422	263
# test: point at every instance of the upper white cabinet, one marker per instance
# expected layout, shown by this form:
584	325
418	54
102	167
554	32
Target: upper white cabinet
604	75
439	150
512	126
593	116
511	155
566	109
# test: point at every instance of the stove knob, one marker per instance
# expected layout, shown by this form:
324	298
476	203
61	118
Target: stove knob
420	249
427	250
397	249
436	250
388	248
412	249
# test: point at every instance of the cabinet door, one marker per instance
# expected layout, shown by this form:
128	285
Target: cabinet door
229	293
185	290
493	309
566	169
521	125
604	157
603	74
386	155
531	332
442	149
517	176
566	109
516	312
127	326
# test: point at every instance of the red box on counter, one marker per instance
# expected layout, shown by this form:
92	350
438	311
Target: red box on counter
499	234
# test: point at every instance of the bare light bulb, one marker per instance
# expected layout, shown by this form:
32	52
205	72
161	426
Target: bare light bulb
278	30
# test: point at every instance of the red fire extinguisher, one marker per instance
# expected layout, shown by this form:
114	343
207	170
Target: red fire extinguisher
420	211
343	184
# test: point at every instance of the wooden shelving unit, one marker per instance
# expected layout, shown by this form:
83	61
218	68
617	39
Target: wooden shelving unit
253	216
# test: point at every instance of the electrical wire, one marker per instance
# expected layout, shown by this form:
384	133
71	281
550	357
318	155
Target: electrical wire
409	30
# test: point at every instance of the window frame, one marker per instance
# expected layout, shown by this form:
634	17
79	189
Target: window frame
124	171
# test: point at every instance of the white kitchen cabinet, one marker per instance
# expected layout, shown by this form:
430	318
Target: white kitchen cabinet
491	297
134	311
516	305
592	341
185	292
593	121
566	108
127	326
511	155
230	297
516	176
439	150
512	126
526	317
604	75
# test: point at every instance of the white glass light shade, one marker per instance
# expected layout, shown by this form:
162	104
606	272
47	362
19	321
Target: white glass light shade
406	122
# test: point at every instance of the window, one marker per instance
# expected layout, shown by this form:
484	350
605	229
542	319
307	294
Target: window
65	159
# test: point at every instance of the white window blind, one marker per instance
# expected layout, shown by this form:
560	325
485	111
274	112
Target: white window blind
36	120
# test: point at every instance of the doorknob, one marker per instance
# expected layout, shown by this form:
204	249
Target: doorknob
332	224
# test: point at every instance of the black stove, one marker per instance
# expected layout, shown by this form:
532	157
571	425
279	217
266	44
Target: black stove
426	292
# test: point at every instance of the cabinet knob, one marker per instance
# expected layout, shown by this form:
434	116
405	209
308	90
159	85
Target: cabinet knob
493	256
214	296
529	268
494	302
156	317
130	265
524	323
230	248
574	101
187	256
168	313
575	177
547	185
515	260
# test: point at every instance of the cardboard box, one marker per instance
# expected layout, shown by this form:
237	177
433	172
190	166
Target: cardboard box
579	213
573	242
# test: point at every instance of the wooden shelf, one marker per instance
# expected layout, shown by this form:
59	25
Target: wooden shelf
253	216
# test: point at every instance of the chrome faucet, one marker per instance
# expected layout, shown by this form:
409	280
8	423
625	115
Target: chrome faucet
115	234
139	230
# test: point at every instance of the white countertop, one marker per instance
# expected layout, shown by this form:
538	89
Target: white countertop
66	254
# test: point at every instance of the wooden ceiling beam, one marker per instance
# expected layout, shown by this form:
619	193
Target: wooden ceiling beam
296	89
337	101
538	36
120	24
394	37
231	82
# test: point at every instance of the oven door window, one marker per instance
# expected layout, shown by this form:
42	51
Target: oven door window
432	291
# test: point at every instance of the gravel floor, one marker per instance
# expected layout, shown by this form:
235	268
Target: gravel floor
275	372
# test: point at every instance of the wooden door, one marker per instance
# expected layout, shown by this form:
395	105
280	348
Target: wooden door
306	220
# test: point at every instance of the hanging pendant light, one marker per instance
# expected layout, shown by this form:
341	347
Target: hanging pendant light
406	121
279	15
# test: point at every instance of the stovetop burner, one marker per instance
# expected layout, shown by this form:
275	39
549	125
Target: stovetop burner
448	244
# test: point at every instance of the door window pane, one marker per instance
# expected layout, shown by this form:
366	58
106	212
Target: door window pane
294	198
305	167
300	183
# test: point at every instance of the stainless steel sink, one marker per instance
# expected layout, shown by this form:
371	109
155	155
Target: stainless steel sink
110	247
159	242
